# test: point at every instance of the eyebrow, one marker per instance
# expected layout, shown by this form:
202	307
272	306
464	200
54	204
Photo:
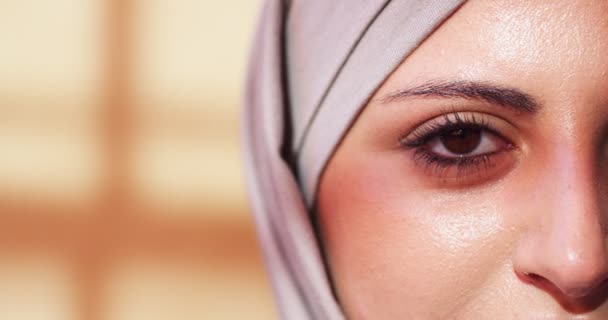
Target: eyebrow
508	97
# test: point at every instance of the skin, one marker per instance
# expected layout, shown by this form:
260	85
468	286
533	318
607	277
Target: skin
522	237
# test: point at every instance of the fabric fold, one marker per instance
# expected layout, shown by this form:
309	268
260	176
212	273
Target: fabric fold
313	66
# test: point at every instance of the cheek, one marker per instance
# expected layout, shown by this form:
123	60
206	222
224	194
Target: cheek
395	248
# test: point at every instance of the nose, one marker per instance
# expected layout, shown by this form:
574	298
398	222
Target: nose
565	253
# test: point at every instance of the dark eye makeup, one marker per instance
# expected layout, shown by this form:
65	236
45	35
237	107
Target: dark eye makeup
457	144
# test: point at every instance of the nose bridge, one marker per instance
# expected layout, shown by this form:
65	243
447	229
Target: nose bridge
576	223
568	248
575	182
578	205
575	240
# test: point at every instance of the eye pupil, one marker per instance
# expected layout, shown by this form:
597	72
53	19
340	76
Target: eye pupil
461	141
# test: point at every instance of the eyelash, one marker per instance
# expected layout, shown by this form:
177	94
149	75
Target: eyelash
432	129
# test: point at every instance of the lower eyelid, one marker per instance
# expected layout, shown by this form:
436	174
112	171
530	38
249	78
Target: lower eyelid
465	171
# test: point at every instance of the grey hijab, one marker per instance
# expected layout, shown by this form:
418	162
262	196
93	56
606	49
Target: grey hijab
313	65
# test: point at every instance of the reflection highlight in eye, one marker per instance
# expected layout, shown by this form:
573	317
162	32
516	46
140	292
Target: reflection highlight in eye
457	145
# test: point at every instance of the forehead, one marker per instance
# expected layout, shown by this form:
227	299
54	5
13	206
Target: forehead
528	42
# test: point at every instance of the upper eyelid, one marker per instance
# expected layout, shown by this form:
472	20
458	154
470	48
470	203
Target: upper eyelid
435	125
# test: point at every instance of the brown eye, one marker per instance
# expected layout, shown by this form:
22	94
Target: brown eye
466	142
461	141
463	148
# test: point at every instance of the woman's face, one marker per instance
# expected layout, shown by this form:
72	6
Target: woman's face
474	184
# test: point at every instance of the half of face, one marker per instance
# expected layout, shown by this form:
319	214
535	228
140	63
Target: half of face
474	184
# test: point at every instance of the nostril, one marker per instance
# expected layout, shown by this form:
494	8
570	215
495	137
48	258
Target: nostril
534	277
544	284
538	281
574	300
582	291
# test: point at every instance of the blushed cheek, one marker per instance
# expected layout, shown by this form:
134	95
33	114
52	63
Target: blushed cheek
459	224
401	250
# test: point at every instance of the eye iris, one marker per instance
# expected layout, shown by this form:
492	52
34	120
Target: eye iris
461	141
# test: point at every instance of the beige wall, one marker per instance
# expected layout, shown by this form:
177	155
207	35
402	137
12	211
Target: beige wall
121	194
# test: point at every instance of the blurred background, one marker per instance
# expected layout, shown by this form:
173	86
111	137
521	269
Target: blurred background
121	192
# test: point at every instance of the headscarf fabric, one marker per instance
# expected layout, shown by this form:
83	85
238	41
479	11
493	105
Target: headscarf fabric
314	64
